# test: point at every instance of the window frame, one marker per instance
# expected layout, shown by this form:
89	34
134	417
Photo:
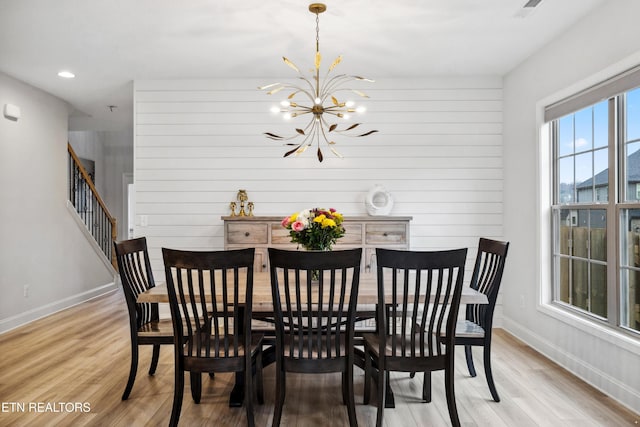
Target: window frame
615	206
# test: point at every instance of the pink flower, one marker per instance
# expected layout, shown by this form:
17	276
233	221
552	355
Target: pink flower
285	222
332	210
297	226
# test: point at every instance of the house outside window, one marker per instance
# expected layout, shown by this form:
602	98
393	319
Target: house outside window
596	208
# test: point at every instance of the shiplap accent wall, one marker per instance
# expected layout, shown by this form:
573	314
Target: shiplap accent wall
438	152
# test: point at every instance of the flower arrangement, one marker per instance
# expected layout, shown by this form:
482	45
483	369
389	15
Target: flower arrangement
315	229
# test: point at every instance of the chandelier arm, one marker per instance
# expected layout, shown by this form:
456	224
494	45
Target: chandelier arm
311	93
334	82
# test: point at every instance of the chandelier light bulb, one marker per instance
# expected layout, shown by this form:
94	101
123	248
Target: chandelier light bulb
275	109
361	109
322	103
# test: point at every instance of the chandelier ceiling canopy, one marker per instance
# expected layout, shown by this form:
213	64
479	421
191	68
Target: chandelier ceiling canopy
327	111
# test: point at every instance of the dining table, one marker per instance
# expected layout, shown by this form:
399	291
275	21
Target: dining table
262	308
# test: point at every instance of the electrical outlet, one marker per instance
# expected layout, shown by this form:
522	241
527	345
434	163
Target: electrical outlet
25	290
521	301
144	220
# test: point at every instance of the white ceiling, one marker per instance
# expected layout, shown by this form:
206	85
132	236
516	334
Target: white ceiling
110	43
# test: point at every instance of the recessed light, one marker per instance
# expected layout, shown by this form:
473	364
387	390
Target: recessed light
66	74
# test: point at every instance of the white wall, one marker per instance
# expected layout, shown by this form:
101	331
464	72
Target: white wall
604	43
118	160
438	152
41	244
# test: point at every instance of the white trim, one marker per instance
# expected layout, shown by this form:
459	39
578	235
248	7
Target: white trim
53	307
90	238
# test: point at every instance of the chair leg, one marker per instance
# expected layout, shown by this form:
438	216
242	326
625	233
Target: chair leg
259	379
351	403
345	392
196	386
382	388
132	371
281	381
154	359
177	396
248	396
368	372
488	373
451	396
469	356
426	387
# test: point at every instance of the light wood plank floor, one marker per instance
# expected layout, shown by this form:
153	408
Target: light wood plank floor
81	355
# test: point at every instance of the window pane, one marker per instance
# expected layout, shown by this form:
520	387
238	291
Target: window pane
580	284
630	274
598	297
568	217
633	171
566	186
601	124
632	116
564	276
565	135
584	130
601	176
630	310
598	234
584	177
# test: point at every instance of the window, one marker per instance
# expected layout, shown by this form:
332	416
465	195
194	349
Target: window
596	205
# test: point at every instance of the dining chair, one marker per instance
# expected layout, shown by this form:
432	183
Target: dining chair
314	319
145	325
425	290
476	329
210	296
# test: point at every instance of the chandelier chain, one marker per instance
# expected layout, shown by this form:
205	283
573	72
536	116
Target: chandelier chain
317	32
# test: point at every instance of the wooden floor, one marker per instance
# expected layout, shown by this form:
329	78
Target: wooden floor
70	370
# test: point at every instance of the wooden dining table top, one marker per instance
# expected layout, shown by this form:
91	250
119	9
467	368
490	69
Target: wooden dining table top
262	298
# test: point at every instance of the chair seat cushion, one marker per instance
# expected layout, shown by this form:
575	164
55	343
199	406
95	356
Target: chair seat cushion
467	329
163	327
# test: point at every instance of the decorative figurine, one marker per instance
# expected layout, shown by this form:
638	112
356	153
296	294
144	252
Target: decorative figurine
232	206
250	205
242	197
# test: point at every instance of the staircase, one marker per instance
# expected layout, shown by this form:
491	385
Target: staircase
90	208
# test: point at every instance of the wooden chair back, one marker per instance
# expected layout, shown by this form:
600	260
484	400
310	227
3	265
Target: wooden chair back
413	321
136	276
486	278
210	295
314	319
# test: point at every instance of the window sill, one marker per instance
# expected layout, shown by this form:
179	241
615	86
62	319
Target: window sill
620	339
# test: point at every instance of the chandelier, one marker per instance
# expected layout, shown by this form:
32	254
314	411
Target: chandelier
321	103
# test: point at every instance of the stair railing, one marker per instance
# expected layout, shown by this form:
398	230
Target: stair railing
90	207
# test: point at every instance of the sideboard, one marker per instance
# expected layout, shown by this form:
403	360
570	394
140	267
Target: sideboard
366	232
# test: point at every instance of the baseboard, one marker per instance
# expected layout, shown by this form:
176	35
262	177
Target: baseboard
617	390
48	309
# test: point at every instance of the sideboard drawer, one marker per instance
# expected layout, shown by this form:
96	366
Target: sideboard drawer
386	234
280	235
246	232
352	234
366	232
